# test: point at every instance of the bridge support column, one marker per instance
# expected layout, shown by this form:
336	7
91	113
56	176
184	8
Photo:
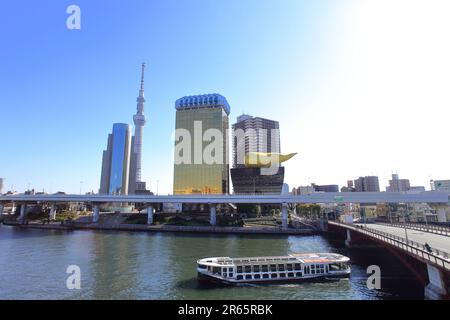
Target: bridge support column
150	215
212	216
96	214
348	241
436	288
52	212
441	214
284	215
23	212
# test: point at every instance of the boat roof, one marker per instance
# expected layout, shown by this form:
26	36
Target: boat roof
292	258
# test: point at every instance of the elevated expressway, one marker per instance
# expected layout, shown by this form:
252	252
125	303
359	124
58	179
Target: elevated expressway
431	197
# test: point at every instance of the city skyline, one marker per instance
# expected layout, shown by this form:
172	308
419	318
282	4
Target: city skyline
322	109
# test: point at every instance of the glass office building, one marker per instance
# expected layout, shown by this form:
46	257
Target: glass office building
195	115
116	161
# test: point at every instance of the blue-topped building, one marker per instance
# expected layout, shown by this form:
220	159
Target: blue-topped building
193	173
204	100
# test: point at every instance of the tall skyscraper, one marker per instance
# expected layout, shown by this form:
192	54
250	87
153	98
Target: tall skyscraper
367	184
116	161
196	118
258	135
252	135
139	123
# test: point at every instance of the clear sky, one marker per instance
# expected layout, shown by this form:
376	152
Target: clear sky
360	87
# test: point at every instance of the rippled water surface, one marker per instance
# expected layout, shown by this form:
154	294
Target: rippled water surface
122	265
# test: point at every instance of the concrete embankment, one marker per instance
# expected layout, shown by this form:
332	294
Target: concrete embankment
165	228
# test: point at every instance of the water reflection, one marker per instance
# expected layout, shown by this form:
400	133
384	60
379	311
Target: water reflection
121	265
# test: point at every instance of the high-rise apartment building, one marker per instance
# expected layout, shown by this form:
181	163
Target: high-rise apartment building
254	134
116	161
201	122
367	184
440	185
398	185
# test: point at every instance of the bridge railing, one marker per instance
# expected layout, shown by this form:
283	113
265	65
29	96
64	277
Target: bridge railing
442	230
437	257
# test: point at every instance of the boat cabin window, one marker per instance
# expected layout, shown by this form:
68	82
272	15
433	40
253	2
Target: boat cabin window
307	270
297	266
274	275
337	266
216	270
255	268
248	269
239	269
257	276
281	267
290	274
231	275
282	275
265	276
273	267
239	277
230	270
248	277
265	268
298	274
289	267
201	266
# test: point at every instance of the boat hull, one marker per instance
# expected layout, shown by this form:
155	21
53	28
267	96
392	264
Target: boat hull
204	278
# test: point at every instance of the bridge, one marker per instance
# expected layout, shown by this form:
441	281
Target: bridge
429	246
439	199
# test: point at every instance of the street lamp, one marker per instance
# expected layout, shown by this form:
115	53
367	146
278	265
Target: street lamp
404	222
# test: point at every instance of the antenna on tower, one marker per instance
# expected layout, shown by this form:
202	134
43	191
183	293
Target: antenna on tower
142	76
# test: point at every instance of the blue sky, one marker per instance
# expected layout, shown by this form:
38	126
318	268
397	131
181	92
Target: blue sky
328	70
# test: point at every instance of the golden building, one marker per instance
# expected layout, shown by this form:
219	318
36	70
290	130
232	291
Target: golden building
201	145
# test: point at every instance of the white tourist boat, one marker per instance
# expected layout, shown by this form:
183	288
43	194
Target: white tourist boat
291	268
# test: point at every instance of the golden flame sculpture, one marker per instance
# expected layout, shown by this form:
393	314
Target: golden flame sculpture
266	159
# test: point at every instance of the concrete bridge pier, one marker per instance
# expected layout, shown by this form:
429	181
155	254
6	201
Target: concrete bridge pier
437	288
212	216
52	212
348	241
23	212
150	215
284	215
96	213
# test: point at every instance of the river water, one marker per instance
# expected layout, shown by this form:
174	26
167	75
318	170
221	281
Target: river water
125	265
